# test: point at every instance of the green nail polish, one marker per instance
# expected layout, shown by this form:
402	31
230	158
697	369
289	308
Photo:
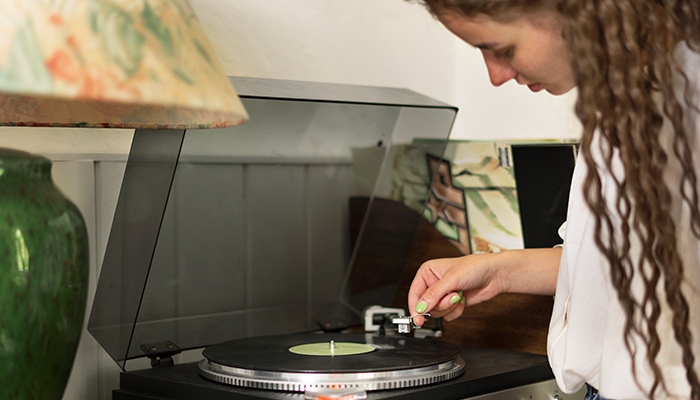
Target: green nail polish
421	307
455	299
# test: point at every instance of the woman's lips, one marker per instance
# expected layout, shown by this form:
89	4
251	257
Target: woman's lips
535	87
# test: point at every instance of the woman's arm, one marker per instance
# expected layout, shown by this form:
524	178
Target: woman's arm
438	283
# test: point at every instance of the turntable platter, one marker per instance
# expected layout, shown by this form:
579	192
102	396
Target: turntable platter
388	362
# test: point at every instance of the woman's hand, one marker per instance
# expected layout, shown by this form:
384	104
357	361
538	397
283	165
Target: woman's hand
445	286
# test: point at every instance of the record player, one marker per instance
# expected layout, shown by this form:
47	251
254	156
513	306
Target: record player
238	241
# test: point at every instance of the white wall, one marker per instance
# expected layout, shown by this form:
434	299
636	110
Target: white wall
366	42
384	43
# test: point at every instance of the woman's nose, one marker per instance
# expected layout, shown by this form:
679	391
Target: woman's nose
499	73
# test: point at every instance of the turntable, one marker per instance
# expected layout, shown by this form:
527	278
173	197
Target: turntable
300	362
238	241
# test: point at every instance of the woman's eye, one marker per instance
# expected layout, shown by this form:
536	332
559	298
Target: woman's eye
504	53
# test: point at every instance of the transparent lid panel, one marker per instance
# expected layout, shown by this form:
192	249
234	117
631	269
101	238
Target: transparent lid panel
258	229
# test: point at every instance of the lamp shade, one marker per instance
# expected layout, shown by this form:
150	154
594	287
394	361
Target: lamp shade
111	63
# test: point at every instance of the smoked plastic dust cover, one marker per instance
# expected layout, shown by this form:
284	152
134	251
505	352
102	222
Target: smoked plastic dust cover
253	230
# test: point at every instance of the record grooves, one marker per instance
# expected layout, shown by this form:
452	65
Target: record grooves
268	363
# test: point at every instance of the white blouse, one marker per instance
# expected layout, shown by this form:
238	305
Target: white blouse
585	341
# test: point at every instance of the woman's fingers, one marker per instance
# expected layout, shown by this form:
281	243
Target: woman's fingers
451	305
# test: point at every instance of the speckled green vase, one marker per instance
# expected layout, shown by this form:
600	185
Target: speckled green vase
43	279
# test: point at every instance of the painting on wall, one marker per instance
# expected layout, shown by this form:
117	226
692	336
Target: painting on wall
474	200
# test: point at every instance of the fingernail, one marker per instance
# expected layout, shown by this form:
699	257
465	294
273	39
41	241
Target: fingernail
421	307
455	299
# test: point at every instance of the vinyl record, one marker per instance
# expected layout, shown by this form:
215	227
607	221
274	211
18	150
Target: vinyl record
370	361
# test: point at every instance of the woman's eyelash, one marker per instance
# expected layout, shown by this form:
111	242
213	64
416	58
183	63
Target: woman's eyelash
508	52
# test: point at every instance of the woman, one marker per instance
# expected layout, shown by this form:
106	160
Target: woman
626	318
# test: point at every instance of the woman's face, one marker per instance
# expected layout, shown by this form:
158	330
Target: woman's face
530	51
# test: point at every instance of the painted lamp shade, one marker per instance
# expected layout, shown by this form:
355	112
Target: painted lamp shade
142	64
111	63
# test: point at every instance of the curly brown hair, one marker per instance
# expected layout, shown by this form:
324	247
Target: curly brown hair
624	67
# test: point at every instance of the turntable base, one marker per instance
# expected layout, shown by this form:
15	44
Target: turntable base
486	371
